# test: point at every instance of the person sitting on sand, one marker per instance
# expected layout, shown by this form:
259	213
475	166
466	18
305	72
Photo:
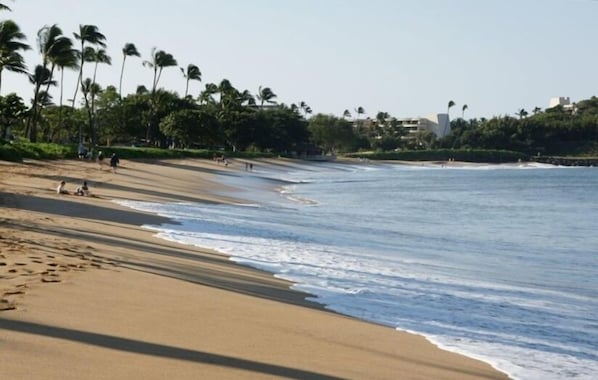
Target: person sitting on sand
60	189
83	189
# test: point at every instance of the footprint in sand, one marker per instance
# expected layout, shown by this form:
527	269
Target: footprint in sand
6	305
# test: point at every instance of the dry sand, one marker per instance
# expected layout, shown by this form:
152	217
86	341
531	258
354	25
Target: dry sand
85	293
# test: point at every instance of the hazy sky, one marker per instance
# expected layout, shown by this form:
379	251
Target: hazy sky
408	58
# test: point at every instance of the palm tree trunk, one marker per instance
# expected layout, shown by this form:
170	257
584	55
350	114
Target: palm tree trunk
120	82
187	88
31	122
79	80
61	94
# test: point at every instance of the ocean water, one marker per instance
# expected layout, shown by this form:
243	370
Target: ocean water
497	262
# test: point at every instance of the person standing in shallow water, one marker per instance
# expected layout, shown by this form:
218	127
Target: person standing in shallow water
114	162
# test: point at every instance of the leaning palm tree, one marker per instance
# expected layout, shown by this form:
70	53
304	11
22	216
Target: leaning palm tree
192	73
11	45
87	34
346	114
265	94
129	50
463	109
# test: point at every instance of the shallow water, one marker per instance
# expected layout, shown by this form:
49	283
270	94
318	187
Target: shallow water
497	262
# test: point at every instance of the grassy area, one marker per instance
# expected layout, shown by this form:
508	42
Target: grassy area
18	151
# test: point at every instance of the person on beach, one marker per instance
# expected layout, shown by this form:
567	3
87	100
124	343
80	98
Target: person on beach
114	162
83	189
101	159
61	188
81	151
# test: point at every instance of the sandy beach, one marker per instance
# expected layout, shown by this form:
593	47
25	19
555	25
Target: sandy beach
86	293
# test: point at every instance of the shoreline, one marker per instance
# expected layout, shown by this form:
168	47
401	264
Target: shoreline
42	214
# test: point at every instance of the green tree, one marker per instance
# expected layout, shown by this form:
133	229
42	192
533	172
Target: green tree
192	73
11	46
88	34
332	133
12	112
129	50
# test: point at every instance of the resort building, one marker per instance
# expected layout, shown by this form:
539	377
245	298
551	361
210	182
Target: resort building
565	102
439	124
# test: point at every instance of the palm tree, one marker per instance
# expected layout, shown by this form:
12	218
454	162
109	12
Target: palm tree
52	45
207	95
4	7
99	56
463	109
359	111
87	34
192	73
305	108
346	114
90	89
41	76
57	50
69	59
265	94
382	118
160	60
10	45
129	50
522	113
245	98
537	110
450	105
448	117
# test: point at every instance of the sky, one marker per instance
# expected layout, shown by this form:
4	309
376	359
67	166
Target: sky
407	58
